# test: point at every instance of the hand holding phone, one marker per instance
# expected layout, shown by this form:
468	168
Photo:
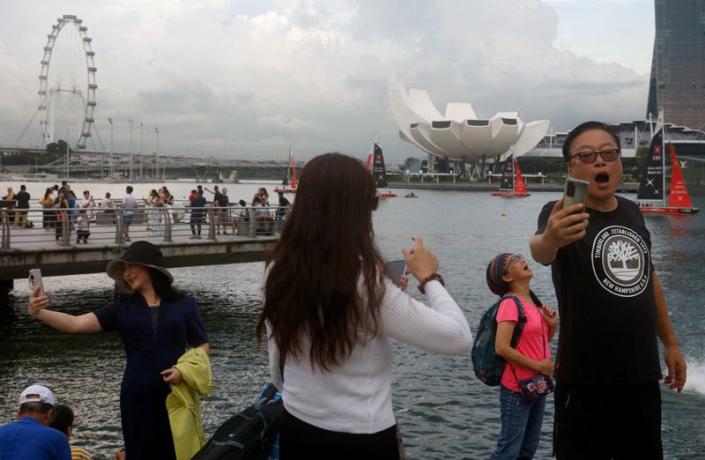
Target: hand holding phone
394	270
575	192
35	280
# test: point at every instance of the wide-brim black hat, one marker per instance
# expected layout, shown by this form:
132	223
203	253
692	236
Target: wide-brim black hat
139	253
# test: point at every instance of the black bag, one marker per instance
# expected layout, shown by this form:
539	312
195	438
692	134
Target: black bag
248	435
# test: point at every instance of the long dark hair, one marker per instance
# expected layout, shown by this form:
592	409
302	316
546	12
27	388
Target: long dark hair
326	248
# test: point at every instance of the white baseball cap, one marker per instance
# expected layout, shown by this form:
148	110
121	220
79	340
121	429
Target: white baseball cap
37	393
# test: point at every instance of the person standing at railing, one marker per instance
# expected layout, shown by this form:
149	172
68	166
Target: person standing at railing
129	204
197	211
22	198
108	206
47	204
10	196
155	203
61	205
87	203
220	202
73	206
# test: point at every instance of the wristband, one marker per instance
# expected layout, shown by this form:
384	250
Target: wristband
431	277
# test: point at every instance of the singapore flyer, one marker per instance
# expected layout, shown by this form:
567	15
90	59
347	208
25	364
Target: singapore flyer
67	86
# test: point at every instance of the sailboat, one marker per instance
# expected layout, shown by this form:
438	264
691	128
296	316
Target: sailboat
290	176
512	185
651	196
375	160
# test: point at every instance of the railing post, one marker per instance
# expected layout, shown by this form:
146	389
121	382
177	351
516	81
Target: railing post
5	226
211	224
118	227
252	231
167	224
65	229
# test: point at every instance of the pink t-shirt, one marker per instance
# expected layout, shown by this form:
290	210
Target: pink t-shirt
533	342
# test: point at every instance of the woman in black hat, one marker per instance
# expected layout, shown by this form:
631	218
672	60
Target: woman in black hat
156	323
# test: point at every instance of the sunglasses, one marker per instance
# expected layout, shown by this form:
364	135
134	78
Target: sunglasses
590	157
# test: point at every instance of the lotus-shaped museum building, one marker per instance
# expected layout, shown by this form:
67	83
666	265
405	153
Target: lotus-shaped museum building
460	134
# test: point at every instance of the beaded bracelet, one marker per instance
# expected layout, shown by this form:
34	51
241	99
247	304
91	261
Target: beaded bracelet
431	277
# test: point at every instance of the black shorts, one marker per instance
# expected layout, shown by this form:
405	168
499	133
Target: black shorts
300	440
607	422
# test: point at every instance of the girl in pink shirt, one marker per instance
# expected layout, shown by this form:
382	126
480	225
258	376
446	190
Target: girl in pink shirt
509	275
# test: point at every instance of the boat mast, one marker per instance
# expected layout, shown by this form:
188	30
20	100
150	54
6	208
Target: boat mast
663	159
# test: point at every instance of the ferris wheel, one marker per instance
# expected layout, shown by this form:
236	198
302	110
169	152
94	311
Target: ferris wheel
67	83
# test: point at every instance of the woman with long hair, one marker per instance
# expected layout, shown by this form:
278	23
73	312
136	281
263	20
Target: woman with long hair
156	323
47	203
330	313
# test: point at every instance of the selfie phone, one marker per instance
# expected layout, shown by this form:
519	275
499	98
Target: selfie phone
35	279
575	192
395	270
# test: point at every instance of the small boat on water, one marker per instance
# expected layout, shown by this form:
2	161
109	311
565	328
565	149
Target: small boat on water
411	195
290	172
651	195
512	185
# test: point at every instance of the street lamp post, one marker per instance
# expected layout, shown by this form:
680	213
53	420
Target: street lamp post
112	172
131	122
156	169
141	150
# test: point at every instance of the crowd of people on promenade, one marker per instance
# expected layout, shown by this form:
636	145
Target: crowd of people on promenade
61	207
329	316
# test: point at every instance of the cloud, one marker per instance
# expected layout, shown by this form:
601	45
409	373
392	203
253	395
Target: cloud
247	78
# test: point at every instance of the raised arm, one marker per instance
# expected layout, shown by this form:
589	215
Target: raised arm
64	322
441	328
563	227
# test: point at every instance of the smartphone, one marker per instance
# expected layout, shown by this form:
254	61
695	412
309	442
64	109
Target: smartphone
35	279
575	192
395	270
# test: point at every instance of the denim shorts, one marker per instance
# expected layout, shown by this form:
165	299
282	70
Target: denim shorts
127	219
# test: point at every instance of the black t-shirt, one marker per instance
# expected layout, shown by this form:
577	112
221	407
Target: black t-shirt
604	287
22	198
220	199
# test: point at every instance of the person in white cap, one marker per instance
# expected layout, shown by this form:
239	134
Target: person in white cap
30	436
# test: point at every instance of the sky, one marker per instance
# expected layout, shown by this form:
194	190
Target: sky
247	79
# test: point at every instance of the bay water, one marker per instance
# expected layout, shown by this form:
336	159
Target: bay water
443	411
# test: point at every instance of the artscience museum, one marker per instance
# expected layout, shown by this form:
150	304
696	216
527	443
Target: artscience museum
459	134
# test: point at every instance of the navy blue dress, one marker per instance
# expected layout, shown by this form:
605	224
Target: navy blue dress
145	421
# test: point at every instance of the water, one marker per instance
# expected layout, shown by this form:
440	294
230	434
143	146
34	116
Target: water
442	409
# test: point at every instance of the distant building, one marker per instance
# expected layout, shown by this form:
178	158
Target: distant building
678	68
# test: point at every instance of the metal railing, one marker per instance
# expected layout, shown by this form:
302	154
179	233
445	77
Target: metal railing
36	228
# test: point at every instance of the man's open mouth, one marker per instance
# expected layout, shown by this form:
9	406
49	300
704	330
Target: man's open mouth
602	177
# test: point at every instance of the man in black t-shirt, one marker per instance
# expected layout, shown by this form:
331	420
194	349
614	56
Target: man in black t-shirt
22	198
612	309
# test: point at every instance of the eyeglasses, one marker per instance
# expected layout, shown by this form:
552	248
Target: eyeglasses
590	157
513	258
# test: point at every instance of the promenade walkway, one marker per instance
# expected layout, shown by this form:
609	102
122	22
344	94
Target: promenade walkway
232	235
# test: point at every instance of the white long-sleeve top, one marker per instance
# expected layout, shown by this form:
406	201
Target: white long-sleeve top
356	397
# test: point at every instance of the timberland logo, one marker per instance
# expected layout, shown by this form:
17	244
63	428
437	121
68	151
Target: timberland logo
620	261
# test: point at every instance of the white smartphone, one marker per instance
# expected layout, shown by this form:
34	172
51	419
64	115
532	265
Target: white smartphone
395	270
35	279
575	192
